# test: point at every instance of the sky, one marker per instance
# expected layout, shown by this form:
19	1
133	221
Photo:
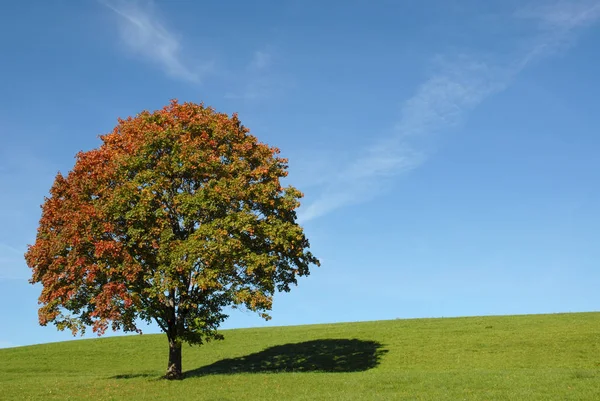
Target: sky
447	150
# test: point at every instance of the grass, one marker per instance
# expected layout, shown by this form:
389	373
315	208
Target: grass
530	357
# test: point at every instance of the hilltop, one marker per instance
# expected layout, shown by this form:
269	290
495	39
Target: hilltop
528	357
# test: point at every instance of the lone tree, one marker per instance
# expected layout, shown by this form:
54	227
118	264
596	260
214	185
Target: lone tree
178	214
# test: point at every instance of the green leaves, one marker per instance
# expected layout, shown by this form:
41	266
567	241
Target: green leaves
178	214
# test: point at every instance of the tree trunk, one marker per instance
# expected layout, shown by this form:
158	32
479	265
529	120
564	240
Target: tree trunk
174	367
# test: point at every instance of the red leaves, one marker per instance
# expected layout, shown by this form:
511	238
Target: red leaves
178	210
107	249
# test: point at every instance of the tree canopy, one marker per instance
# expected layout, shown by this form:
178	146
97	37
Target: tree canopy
178	214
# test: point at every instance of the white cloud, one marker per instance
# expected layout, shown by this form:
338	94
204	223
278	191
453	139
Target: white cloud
458	85
145	34
439	103
557	25
260	60
565	14
258	81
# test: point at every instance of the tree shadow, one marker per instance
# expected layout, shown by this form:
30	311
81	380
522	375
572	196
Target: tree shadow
133	376
330	355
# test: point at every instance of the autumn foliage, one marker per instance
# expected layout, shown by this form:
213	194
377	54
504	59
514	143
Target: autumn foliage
178	214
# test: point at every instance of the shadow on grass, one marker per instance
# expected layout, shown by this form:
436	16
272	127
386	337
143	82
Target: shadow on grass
331	355
133	375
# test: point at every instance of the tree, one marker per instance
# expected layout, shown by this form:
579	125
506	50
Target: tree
177	215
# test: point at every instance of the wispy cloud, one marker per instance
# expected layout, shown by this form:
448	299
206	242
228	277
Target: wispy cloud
145	34
458	85
260	60
565	14
557	26
259	80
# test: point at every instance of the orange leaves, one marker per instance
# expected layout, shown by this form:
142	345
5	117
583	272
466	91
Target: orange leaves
178	214
107	249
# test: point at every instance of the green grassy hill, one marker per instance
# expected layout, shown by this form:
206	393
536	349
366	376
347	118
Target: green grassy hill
534	357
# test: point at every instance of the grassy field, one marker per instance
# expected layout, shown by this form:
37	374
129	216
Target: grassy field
534	357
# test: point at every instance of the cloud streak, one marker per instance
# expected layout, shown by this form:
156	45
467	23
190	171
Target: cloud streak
565	14
145	34
441	102
260	60
258	81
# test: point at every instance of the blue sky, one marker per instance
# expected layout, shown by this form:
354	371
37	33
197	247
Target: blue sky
447	149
